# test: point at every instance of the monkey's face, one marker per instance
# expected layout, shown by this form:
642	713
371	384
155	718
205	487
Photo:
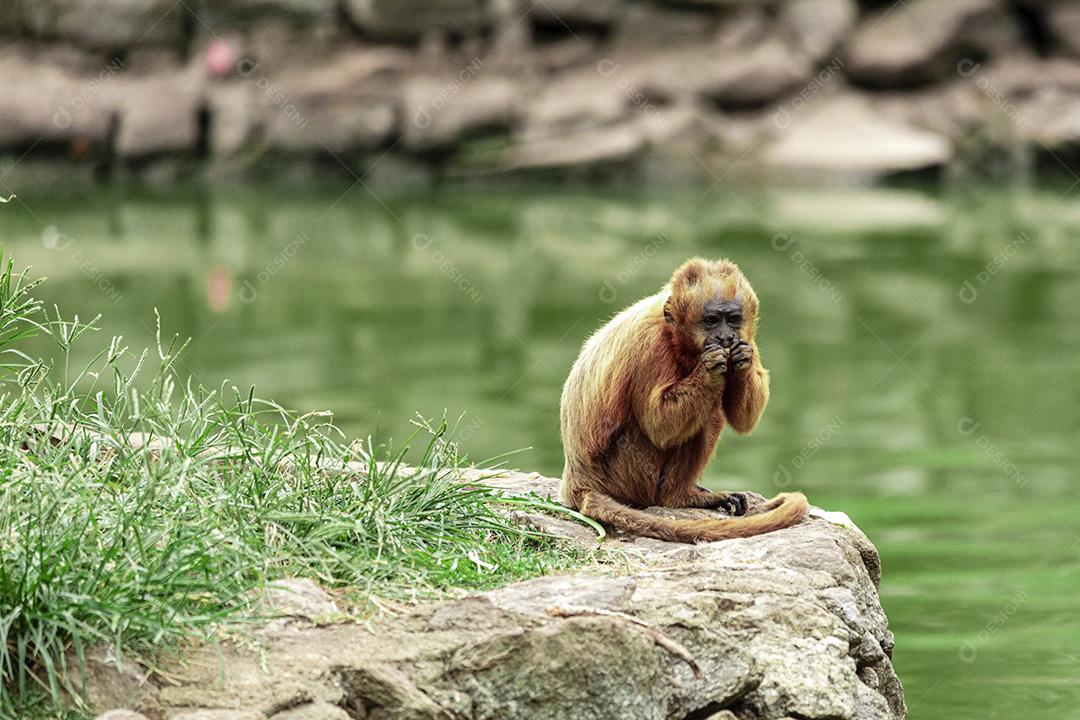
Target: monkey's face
721	323
711	305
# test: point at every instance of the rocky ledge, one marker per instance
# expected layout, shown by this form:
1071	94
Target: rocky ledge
781	625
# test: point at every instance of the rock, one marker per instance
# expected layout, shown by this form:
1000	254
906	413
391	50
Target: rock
121	715
313	711
345	103
576	12
216	715
411	19
1063	21
107	24
157	113
219	13
232	111
1050	119
751	79
648	27
917	42
817	27
735	79
56	94
845	135
784	624
298	597
441	111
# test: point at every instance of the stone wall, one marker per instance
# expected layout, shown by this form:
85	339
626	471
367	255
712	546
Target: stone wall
412	91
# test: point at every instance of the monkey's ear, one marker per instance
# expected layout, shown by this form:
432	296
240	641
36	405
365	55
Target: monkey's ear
688	275
667	311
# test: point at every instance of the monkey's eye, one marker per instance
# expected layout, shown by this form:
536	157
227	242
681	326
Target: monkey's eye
735	319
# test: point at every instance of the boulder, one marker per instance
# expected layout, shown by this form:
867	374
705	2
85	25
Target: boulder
783	624
51	94
642	26
817	27
1063	21
347	102
107	24
917	42
596	12
733	79
412	19
157	113
439	111
845	135
217	13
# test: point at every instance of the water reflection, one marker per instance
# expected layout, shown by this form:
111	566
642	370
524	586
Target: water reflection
923	356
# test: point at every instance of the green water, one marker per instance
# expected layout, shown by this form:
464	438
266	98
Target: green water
931	398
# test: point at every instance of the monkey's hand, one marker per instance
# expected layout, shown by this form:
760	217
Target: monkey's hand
715	360
741	356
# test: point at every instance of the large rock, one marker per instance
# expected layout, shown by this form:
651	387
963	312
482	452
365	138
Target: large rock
215	13
1063	21
845	135
818	26
346	103
917	42
735	78
44	98
439	111
107	24
410	19
781	625
157	113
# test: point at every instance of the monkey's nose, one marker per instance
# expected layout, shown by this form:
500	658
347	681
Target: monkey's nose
727	341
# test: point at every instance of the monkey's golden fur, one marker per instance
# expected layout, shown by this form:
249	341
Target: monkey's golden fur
642	411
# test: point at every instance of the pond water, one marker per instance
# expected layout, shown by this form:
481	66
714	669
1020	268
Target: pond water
923	347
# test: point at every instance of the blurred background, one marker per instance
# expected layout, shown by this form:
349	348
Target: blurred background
389	207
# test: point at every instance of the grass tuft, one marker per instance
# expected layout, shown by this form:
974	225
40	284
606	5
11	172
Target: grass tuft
140	510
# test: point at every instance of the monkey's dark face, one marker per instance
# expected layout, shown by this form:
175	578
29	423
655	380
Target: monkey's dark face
722	322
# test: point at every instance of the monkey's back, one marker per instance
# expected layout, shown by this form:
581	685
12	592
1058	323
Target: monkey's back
597	395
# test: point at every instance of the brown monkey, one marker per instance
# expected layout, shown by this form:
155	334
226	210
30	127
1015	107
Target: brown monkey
644	404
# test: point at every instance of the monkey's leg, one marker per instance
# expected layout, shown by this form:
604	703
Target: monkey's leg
733	503
680	488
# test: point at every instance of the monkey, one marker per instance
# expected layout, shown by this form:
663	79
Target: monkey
644	404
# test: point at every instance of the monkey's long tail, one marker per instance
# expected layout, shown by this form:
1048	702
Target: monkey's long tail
784	510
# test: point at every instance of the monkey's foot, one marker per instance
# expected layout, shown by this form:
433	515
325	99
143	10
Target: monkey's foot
733	503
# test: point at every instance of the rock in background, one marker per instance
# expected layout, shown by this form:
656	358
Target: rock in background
451	88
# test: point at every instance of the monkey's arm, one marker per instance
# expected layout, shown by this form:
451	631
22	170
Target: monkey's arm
672	412
746	392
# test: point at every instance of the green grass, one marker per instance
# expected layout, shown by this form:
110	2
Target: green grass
139	510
